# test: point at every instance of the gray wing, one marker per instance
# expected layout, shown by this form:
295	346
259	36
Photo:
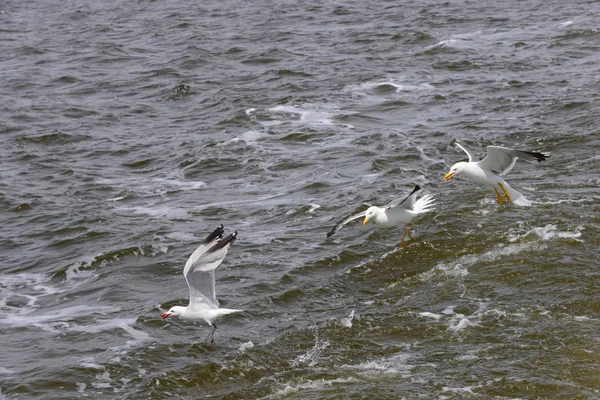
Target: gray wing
344	222
472	157
406	202
199	271
502	159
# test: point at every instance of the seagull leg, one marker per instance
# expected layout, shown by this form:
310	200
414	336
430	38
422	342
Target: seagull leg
402	242
505	192
500	200
408	231
210	338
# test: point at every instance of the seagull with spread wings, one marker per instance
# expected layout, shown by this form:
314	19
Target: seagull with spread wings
489	171
398	212
199	273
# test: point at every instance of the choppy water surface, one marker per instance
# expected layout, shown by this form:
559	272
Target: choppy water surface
130	130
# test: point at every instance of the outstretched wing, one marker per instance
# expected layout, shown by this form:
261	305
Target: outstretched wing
199	271
502	159
472	157
344	222
405	202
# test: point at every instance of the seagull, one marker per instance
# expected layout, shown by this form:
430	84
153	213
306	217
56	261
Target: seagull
199	273
489	171
398	212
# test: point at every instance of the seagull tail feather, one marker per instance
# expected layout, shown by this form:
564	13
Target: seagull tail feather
224	311
516	197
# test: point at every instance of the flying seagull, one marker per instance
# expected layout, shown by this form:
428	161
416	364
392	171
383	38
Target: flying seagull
199	273
398	212
489	171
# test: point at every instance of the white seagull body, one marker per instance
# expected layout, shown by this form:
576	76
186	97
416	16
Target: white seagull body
489	171
398	212
199	273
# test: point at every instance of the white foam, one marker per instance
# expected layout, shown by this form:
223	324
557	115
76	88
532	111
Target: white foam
370	178
347	322
16	281
31	286
467	357
545	233
249	137
103	381
311	385
566	23
314	116
581	318
117	198
441	44
374	92
313	207
468	35
181	236
361	265
180	184
449	310
138	336
460	267
81	269
158	212
368	86
80	387
149	187
462	324
482	212
394	365
263	200
311	356
58	315
5	371
462	40
466	389
245	346
88	362
110	324
550	231
495	312
431	315
307	114
591	199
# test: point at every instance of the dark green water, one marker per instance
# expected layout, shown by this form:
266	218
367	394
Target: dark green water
130	130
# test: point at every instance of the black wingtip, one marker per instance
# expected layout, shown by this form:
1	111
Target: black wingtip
217	233
225	241
538	156
416	189
330	233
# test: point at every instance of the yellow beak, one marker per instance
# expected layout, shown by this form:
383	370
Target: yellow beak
366	220
449	175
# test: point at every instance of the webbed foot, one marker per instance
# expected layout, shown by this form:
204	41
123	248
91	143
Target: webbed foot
505	192
500	199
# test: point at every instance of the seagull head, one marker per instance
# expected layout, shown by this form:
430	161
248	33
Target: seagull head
175	310
370	213
456	168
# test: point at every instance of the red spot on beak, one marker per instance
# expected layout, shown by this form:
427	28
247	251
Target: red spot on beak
165	315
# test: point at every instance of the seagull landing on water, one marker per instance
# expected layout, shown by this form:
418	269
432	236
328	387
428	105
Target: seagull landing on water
398	212
489	171
199	273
